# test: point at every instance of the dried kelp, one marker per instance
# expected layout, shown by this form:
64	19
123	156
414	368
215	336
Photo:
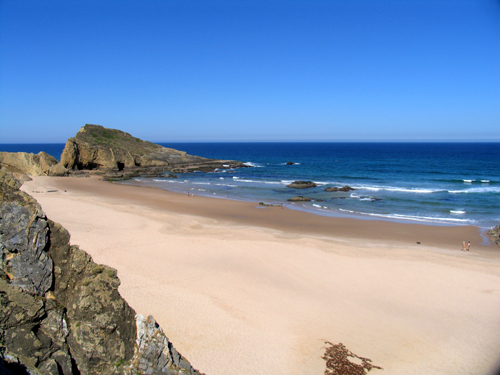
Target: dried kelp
338	362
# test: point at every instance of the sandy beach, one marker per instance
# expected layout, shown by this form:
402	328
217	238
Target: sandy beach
241	289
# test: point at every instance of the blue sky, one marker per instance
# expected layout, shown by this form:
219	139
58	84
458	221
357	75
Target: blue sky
270	70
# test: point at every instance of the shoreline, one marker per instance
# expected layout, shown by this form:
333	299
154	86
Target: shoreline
347	215
287	220
241	289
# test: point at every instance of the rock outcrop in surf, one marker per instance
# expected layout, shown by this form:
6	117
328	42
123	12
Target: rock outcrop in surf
345	188
61	313
301	185
110	150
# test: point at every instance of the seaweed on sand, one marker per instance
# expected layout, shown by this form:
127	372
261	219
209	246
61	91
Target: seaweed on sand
338	363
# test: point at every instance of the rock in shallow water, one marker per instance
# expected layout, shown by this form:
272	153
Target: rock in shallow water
302	184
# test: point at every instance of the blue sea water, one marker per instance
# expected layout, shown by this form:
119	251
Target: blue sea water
435	183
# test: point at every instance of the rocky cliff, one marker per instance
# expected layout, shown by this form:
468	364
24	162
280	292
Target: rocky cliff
61	313
98	148
23	163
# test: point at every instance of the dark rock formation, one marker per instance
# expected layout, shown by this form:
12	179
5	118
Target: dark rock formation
494	235
290	163
345	188
302	184
98	148
23	163
60	313
300	198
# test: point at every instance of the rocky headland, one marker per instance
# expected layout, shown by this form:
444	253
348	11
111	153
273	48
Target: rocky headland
61	313
99	149
110	152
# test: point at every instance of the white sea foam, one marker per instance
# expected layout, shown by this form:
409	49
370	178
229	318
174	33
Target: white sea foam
201	183
221	178
226	185
489	189
427	219
256	165
469	181
341	209
485	181
457	212
260	182
321	207
398	189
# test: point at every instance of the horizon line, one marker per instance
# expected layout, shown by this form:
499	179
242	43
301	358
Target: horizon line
288	141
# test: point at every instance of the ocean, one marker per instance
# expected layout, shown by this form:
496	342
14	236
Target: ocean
434	183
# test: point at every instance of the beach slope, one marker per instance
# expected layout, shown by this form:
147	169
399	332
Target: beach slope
249	290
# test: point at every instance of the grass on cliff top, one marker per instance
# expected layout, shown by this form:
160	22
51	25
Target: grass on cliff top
100	136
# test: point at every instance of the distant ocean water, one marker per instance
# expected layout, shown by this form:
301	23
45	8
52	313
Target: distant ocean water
435	183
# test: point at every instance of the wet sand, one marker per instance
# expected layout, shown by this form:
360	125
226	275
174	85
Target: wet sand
243	289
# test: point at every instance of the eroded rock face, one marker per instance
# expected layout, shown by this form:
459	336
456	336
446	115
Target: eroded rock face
23	239
41	164
61	313
98	148
154	352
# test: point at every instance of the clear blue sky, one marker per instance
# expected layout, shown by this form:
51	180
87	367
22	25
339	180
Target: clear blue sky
269	70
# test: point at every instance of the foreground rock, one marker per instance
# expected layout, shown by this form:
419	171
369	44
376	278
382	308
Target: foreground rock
23	163
60	313
494	235
302	185
109	150
345	188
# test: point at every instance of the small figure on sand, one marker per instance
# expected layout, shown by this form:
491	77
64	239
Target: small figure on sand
468	246
463	246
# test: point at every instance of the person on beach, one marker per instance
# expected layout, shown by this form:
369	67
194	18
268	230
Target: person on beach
463	246
468	246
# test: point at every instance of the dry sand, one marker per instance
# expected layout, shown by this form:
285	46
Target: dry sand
245	290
